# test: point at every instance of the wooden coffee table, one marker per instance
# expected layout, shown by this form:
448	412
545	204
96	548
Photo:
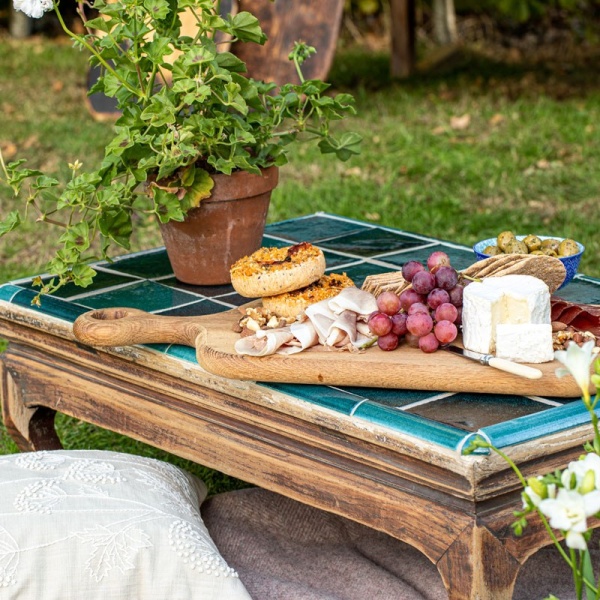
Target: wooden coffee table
390	459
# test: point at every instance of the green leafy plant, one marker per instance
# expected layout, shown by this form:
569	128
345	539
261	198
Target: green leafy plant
184	117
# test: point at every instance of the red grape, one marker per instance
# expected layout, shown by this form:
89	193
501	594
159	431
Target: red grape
388	341
409	297
446	277
429	343
445	331
418	307
379	324
423	282
410	268
436	297
456	295
436	260
446	312
399	324
419	324
412	340
388	303
459	318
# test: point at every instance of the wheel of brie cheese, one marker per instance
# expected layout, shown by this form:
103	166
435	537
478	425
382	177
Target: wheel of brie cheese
291	304
273	271
508	316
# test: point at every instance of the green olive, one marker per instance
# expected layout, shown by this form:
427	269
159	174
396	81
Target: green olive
568	247
537	252
533	242
492	250
516	247
550	243
504	238
549	252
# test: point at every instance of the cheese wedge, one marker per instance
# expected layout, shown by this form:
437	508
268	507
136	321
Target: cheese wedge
528	343
511	300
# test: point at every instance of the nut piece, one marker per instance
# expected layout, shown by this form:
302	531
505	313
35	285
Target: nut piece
258	317
561	338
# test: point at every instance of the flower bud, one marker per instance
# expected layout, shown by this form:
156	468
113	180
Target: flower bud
588	484
538	487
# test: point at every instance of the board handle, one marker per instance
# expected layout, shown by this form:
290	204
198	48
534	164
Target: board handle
514	368
127	326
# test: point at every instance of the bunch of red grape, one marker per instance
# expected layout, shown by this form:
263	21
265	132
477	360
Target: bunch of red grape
426	314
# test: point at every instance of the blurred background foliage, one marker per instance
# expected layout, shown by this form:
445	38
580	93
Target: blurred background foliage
371	15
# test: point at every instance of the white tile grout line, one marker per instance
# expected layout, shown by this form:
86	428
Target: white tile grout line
426	400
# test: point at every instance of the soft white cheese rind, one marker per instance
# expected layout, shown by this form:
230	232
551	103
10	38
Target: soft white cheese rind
512	299
529	343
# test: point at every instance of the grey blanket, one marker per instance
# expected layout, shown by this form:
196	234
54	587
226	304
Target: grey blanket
284	550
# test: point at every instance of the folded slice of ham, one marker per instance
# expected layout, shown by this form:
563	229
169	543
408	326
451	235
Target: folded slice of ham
336	322
264	341
351	298
305	336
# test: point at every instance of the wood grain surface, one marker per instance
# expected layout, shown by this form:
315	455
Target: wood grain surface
405	368
316	22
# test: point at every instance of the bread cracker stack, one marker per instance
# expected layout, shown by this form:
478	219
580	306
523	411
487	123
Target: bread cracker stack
547	268
288	279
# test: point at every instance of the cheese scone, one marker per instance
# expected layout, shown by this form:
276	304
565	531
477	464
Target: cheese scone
292	304
272	271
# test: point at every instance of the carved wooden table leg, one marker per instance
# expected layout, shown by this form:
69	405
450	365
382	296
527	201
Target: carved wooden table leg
32	428
477	566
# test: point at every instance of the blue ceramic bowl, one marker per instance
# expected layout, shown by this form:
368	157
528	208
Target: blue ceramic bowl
571	262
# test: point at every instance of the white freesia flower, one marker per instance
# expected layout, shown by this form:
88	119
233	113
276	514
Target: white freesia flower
569	511
534	497
580	469
577	360
33	8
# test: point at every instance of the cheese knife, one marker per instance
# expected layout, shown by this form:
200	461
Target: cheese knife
497	363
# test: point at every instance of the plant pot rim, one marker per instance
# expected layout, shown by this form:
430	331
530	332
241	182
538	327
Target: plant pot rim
224	185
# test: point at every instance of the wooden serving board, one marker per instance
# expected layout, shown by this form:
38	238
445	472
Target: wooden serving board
404	368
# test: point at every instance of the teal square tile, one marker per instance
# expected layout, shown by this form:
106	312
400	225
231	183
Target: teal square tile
103	279
196	309
186	353
146	295
403	422
392	398
581	289
313	228
205	291
50	305
472	412
8	291
327	397
538	425
360	271
335	261
150	264
271	242
460	259
372	242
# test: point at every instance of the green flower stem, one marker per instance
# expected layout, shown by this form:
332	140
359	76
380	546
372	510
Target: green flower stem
85	44
298	69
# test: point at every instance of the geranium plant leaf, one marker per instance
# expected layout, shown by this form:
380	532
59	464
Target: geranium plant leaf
12	221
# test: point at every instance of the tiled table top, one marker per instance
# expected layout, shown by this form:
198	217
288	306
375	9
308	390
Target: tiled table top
145	280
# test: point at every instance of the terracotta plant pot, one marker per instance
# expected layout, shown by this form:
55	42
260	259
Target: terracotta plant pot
228	225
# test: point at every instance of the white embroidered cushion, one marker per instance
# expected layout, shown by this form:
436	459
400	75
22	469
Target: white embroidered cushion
86	525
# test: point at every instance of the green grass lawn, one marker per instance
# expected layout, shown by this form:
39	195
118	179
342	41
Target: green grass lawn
461	155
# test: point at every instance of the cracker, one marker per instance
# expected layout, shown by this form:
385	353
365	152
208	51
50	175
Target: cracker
488	265
383	282
547	268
